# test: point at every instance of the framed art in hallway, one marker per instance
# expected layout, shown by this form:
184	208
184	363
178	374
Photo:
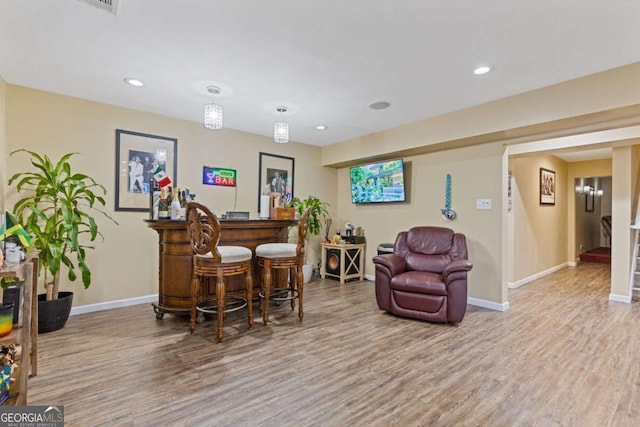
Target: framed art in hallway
589	201
547	187
138	156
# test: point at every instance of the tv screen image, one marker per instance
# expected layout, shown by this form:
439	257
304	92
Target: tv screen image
378	182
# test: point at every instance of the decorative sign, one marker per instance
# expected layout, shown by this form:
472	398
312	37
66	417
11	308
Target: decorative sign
218	176
447	212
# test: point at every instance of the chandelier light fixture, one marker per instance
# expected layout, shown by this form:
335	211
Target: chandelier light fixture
213	112
281	128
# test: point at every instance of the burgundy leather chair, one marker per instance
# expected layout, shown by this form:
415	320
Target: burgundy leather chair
425	277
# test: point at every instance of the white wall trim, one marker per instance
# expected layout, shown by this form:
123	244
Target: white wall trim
113	304
488	304
620	298
369	277
521	282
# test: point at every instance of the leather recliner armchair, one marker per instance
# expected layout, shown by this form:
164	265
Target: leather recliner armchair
425	277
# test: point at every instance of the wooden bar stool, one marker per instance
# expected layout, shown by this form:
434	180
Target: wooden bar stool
211	260
283	256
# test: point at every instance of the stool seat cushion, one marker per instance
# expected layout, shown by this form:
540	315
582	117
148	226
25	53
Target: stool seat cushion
230	254
277	250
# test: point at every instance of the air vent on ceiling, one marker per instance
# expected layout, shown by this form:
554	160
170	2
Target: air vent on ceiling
109	5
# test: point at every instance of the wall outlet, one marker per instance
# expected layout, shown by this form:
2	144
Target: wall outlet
483	203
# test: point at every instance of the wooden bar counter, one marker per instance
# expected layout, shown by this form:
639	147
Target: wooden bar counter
176	262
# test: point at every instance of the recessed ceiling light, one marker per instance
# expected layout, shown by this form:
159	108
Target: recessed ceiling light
481	70
133	82
380	105
321	127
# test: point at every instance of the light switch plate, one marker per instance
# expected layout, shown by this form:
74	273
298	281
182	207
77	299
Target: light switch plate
483	203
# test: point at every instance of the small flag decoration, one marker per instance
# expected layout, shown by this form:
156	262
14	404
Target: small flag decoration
161	177
13	228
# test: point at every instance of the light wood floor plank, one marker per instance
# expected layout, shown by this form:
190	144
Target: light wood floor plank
563	355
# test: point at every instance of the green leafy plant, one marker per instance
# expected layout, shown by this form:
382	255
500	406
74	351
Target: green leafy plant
317	215
56	212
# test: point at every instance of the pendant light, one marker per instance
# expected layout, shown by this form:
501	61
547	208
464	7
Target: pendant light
281	128
213	112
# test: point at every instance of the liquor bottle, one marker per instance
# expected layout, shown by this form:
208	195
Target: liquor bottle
151	181
169	196
154	198
175	204
163	206
183	203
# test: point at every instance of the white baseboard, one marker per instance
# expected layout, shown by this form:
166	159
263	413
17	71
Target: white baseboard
620	298
488	304
90	308
369	277
521	282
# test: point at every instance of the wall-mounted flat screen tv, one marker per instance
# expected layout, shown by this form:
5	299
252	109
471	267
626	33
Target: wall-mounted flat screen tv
378	182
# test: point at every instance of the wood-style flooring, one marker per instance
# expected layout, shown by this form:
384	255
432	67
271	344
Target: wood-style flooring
563	355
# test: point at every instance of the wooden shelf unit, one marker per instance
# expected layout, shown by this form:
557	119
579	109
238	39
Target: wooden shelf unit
25	333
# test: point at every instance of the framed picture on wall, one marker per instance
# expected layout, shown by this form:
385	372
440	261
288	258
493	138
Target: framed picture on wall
275	175
138	156
589	200
547	187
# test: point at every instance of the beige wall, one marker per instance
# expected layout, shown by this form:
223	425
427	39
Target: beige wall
624	174
125	265
539	230
473	170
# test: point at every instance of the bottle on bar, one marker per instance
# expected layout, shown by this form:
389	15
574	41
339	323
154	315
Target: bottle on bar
163	206
175	204
154	199
183	203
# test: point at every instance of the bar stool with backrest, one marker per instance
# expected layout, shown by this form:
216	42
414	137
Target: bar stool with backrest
288	257
219	262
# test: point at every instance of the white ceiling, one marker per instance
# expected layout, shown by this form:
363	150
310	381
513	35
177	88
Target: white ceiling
326	60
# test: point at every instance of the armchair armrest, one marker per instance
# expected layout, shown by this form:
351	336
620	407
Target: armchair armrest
459	265
392	262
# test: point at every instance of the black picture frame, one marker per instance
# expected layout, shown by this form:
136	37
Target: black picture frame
141	152
547	187
589	201
278	173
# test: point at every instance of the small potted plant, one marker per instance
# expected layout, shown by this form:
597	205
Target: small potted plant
317	215
56	212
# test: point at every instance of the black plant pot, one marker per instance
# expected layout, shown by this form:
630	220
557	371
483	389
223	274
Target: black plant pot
52	315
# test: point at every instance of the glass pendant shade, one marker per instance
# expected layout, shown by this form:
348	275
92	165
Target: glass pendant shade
213	116
281	132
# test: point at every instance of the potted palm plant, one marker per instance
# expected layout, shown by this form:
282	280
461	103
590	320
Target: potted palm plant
56	211
317	215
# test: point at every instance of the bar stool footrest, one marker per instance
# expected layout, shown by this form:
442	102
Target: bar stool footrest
281	294
210	305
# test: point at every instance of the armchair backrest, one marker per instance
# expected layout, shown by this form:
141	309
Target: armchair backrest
430	248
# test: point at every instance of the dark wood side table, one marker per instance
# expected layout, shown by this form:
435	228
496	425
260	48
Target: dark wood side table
176	259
